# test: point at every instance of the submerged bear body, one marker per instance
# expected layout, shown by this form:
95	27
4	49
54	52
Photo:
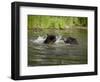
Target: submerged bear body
70	40
50	39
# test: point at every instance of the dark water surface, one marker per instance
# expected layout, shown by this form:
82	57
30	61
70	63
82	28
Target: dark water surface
40	54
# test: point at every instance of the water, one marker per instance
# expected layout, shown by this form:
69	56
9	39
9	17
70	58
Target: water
59	53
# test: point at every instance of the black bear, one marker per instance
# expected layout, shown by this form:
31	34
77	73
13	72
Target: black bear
70	40
50	39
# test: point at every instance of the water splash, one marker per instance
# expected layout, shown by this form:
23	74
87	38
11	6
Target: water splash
39	40
59	39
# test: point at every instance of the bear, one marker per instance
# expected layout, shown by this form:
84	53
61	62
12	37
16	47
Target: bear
70	40
50	39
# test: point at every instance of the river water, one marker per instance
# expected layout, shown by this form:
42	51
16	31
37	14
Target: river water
59	53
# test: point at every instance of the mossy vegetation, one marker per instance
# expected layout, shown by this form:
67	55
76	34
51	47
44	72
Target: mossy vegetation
55	22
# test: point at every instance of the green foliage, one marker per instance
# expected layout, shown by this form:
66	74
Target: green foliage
55	22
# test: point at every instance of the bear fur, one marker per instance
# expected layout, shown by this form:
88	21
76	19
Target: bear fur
50	39
70	40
